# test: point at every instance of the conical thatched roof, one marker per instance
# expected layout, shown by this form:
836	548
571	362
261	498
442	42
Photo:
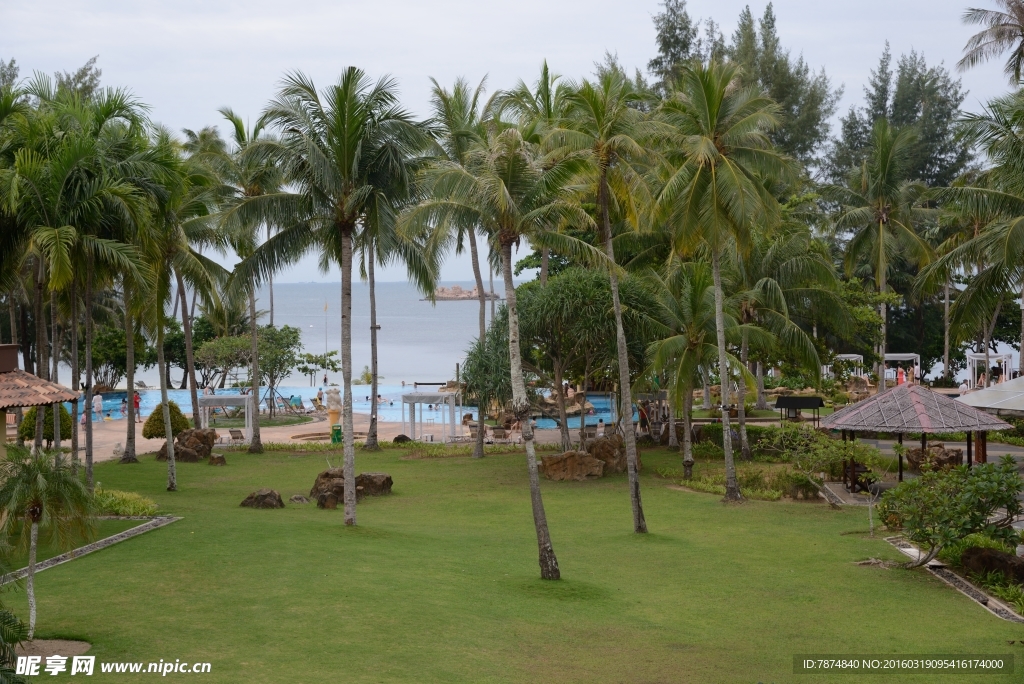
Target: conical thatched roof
912	408
18	388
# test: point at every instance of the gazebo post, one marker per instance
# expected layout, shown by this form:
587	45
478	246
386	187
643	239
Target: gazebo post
969	434
982	446
900	456
924	443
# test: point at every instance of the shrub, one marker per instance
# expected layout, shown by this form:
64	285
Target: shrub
708	450
114	502
952	552
154	427
27	430
942	507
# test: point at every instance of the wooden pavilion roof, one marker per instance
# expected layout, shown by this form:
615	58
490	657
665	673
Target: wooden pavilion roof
18	388
912	408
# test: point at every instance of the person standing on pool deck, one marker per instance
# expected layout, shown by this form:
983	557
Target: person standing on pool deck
137	400
97	405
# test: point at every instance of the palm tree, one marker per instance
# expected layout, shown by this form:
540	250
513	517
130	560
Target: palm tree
722	161
334	144
686	312
247	172
458	122
507	189
40	492
882	206
1004	30
604	126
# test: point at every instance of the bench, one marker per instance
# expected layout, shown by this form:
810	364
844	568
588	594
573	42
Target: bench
856	477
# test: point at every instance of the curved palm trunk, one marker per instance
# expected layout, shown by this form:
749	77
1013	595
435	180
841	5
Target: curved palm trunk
172	476
545	256
521	407
270	288
673	438
490	280
988	340
30	585
88	376
741	398
706	405
255	443
190	361
371	434
626	402
475	257
346	373
129	330
732	489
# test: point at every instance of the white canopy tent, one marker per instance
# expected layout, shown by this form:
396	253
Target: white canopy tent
890	373
855	361
208	402
1002	399
976	361
448	402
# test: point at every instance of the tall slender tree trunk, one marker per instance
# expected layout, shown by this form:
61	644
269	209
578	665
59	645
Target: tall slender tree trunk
1020	357
75	376
190	359
521	407
741	409
346	373
172	476
945	330
545	257
882	309
371	434
13	310
40	321
688	434
475	257
706	403
129	331
55	361
639	522
490	277
26	344
673	438
563	414
732	489
583	406
989	329
255	443
30	585
88	374
762	399
270	287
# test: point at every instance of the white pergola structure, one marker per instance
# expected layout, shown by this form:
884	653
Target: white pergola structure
890	373
855	360
207	402
976	360
449	401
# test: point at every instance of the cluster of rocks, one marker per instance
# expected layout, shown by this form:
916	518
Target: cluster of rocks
329	487
192	446
602	456
936	455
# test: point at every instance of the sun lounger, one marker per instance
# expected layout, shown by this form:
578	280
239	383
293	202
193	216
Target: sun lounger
499	435
236	436
141	385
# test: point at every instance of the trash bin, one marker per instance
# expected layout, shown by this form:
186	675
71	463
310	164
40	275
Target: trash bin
335	434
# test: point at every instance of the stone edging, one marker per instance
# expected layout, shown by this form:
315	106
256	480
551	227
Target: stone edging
965	587
151	524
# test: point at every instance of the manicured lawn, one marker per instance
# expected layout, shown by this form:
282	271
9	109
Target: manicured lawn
276	421
439	582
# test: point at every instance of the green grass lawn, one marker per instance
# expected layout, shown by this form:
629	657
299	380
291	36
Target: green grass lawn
277	421
439	582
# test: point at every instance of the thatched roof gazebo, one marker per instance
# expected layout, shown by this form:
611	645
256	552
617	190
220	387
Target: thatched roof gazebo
21	389
913	408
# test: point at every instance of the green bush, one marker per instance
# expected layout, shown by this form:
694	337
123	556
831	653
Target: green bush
708	450
943	507
114	502
154	427
951	553
27	430
712	433
715	484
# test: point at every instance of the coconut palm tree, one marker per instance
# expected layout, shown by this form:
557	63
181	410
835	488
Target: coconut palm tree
881	207
458	121
715	141
605	127
334	144
507	189
1004	31
39	492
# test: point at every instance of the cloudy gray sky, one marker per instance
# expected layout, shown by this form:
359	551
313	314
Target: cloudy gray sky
189	57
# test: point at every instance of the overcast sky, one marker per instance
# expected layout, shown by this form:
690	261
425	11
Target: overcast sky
187	58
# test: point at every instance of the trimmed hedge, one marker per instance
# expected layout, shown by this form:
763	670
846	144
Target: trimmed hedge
27	430
154	427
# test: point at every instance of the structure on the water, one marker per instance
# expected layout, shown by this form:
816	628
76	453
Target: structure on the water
456	293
